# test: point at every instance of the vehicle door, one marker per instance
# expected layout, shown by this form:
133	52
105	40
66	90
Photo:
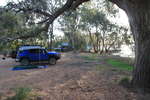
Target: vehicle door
43	54
34	54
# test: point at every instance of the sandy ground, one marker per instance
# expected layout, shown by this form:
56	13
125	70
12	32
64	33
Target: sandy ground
72	78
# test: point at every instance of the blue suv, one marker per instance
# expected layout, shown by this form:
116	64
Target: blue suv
28	54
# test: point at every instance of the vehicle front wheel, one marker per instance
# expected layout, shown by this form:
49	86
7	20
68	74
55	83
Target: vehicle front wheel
52	61
25	62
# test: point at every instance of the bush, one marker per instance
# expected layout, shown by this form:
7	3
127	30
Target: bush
125	81
21	94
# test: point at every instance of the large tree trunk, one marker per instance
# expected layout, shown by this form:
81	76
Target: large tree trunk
138	12
140	25
141	74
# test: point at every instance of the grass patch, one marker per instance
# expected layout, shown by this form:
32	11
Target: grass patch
91	57
120	64
21	94
101	67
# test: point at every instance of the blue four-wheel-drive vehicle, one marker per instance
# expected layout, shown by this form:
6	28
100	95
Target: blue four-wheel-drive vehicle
29	54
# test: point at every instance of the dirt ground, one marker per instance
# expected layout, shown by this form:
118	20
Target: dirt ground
72	78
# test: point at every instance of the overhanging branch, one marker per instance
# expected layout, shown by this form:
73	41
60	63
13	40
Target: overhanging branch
70	4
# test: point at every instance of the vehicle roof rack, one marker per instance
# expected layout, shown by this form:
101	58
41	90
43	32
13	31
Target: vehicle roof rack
30	47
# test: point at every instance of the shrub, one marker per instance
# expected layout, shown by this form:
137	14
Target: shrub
125	81
21	94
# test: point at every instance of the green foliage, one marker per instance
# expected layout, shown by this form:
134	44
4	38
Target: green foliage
103	34
21	94
120	64
125	79
110	8
14	26
8	21
93	18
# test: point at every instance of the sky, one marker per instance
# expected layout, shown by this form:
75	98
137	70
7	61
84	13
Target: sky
121	20
3	2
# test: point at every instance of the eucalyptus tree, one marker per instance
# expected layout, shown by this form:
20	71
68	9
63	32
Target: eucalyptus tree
70	24
96	24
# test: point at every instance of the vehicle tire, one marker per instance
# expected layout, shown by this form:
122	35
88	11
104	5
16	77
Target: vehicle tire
25	62
52	61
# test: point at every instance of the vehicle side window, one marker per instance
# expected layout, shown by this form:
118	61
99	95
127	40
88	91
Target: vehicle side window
20	51
40	51
44	51
35	51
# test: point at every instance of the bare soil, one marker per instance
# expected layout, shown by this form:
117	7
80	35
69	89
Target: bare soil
72	78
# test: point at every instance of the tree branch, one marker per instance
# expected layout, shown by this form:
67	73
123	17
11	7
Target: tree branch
77	3
70	4
33	34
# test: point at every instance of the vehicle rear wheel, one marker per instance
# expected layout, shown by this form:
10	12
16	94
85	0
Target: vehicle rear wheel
25	61
52	61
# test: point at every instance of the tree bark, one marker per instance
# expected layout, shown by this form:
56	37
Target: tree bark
91	39
138	12
103	42
51	34
141	31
